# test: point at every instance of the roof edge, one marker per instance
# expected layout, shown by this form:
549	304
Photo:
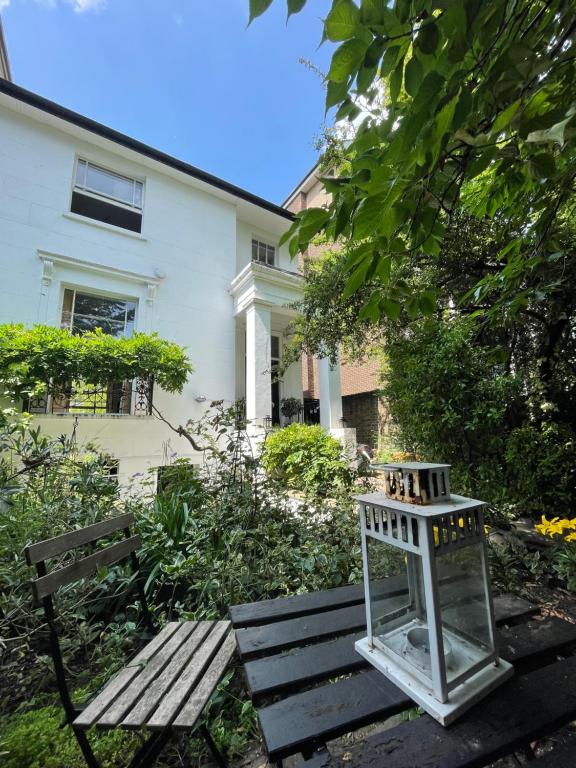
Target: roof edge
302	183
56	110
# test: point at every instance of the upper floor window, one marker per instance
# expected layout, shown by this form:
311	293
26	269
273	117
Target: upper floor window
107	196
263	253
86	311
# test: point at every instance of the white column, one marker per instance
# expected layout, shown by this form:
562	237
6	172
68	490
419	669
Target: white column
258	364
330	394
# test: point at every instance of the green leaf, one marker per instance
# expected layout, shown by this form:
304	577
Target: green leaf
542	165
342	22
428	38
554	134
368	216
504	118
427	302
374	52
346	60
257	8
428	91
396	82
390	59
311	222
413	76
357	278
391	308
289	233
336	93
295	6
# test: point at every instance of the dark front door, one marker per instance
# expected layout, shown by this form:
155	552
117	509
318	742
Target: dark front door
275	401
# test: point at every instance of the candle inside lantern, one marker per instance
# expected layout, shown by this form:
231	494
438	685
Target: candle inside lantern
417	647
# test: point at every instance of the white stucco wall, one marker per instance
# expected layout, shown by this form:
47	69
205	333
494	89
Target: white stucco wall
179	270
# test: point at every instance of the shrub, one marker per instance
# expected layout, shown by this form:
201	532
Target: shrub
307	459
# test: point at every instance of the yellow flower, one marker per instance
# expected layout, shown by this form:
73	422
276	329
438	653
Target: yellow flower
571	536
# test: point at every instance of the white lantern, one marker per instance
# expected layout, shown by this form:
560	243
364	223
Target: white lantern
430	626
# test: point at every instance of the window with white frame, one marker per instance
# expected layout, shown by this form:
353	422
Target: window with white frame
263	253
107	196
83	312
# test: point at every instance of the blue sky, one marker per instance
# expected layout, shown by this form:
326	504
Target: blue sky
185	76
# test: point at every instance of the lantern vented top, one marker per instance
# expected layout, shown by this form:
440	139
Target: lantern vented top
416	482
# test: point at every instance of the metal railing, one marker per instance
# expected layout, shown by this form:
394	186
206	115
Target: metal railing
122	398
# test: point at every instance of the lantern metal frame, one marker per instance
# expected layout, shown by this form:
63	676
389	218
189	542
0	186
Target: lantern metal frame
429	532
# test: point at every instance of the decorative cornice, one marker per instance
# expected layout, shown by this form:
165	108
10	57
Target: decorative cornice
51	259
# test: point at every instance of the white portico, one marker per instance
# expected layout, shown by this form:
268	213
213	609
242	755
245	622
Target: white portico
264	297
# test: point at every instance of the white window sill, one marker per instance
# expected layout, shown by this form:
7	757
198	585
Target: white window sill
104	225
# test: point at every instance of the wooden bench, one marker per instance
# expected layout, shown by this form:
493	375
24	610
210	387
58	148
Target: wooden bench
310	686
166	686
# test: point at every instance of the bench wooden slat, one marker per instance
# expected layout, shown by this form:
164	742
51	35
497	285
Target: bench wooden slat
268	611
159	687
119	682
291	671
258	641
46	585
194	706
331	709
526	708
67	541
282	635
171	705
311	718
123	703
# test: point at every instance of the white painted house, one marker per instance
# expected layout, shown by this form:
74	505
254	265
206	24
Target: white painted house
99	230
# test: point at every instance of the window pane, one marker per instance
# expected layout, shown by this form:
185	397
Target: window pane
270	259
275	347
110	184
254	250
138	188
91	312
81	173
67	305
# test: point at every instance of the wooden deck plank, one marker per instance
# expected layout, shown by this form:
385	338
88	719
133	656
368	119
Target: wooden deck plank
268	611
333	709
526	708
114	714
309	719
170	706
160	686
195	704
119	682
281	673
258	641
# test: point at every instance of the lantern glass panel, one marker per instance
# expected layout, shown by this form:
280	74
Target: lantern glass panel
398	606
465	616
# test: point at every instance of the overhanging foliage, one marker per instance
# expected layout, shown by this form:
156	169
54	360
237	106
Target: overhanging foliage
480	114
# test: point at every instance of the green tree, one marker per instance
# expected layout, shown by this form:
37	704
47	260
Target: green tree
479	115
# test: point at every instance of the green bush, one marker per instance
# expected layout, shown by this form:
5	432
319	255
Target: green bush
307	459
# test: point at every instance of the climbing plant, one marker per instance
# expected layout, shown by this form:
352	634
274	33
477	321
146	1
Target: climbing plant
32	360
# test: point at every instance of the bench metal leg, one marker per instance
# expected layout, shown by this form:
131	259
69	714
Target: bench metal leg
86	749
150	750
216	754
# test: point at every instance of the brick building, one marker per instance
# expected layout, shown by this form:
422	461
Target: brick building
362	407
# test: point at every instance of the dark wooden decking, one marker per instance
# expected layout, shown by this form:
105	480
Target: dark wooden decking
310	686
